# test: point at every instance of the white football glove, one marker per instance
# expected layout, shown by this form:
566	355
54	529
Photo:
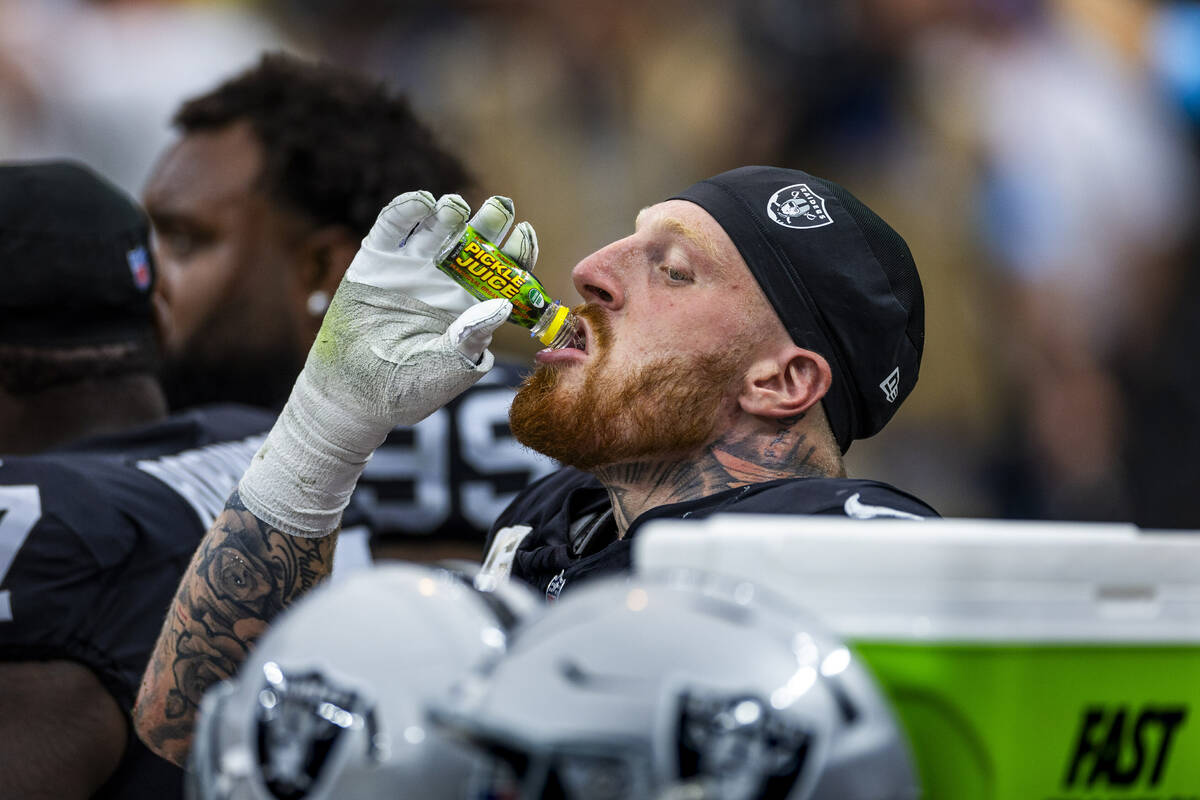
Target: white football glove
424	227
400	340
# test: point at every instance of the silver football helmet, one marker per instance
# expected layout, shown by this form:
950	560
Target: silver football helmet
331	703
681	685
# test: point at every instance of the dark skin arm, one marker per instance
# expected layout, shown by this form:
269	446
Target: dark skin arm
243	574
61	734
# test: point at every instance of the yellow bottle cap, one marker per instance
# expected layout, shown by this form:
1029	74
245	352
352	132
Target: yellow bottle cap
547	336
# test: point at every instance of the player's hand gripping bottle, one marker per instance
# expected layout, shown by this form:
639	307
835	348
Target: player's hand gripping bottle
483	270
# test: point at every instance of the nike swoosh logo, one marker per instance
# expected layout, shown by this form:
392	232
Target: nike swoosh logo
858	510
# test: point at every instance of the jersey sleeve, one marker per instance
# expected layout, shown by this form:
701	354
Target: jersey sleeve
61	548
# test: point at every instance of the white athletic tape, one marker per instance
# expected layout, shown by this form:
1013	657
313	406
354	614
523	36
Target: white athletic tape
381	359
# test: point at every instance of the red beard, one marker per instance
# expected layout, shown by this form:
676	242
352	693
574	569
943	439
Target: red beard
665	409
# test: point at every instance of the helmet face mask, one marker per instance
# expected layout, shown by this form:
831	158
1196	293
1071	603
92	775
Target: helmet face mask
331	703
675	686
306	725
738	747
579	770
728	746
666	687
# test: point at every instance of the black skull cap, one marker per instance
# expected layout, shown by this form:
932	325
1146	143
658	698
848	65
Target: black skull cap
842	281
75	260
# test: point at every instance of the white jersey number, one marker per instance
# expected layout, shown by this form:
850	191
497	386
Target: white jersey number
20	509
480	415
421	474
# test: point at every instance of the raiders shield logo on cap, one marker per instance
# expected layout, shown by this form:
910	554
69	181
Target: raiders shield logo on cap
798	206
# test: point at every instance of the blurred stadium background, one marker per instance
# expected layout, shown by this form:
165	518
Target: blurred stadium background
1038	155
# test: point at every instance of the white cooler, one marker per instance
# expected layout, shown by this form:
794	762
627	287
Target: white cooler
1026	661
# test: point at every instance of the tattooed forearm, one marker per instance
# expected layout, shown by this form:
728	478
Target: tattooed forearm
242	575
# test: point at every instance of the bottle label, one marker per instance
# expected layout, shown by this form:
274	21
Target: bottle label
484	271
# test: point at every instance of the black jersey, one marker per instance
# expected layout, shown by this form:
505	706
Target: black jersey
93	542
561	531
449	476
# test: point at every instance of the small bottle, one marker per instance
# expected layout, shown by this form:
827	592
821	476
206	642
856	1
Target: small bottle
483	270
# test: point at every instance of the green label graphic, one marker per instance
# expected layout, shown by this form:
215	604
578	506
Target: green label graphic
1011	721
480	268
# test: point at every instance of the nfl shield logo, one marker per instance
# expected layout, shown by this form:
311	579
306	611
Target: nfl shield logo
139	267
555	587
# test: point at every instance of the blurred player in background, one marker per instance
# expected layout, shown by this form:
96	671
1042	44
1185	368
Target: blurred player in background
730	351
258	209
77	350
93	533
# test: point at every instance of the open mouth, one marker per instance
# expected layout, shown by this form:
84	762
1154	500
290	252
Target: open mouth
579	339
577	342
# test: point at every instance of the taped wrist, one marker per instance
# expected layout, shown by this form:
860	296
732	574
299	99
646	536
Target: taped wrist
302	477
381	359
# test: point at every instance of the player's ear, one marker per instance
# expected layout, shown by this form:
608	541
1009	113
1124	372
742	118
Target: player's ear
785	384
325	255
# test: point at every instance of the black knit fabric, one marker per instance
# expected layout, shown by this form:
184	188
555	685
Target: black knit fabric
840	278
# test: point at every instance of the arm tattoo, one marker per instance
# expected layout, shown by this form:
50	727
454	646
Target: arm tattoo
243	574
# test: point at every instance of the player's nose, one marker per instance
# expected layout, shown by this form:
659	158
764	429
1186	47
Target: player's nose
598	279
